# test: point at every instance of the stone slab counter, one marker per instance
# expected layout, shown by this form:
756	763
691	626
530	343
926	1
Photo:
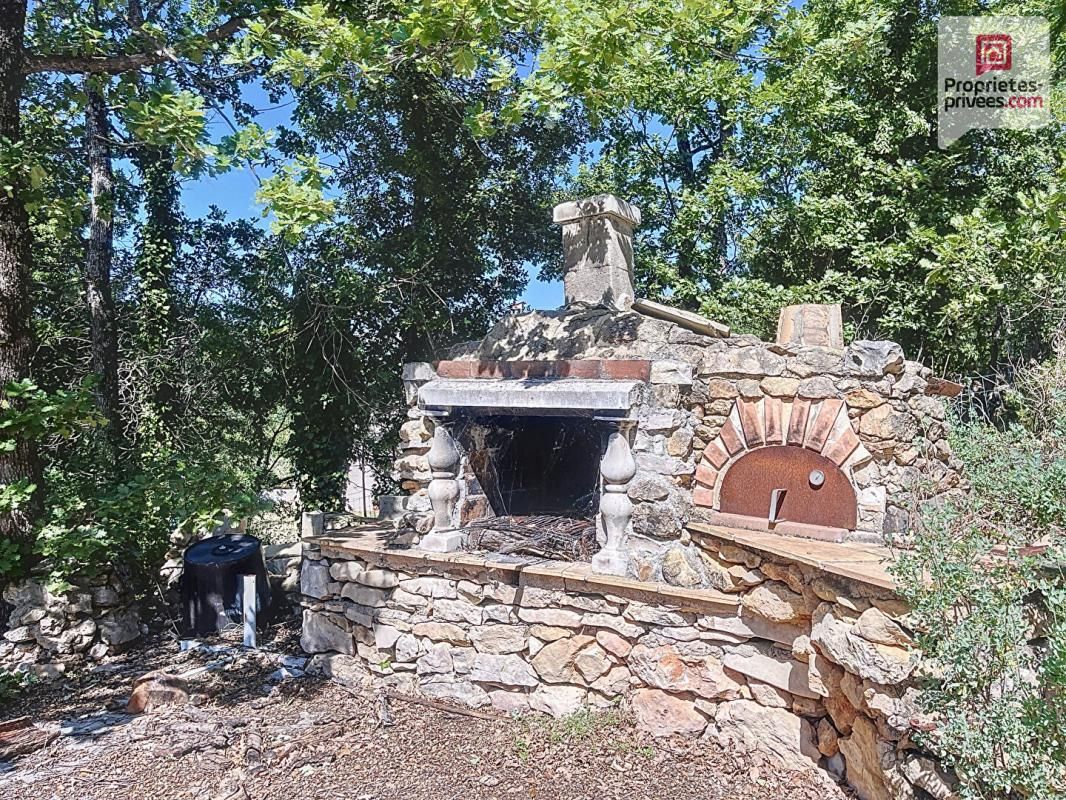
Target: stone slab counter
804	652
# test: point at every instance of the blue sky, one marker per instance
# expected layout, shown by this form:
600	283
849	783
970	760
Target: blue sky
234	192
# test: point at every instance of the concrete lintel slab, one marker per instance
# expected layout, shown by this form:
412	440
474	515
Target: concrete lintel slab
531	396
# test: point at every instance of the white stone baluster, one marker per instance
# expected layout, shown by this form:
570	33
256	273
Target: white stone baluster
617	468
443	491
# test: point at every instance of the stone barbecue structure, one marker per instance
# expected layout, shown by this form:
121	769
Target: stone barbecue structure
655	418
741	495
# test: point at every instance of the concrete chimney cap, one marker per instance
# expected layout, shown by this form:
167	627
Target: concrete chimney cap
601	205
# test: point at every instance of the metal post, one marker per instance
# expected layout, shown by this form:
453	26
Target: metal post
249	603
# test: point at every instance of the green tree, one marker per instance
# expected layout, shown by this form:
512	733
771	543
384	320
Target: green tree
430	236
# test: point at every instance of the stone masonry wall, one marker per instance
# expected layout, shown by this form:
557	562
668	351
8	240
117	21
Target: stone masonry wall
813	667
46	632
697	383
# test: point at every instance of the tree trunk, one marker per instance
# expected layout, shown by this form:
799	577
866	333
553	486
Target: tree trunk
16	305
98	259
156	311
687	167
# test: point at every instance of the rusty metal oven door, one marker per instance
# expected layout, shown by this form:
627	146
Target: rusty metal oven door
790	489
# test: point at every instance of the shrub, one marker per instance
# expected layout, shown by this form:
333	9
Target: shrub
986	581
101	513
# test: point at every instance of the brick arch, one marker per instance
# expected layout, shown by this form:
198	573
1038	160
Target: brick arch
822	426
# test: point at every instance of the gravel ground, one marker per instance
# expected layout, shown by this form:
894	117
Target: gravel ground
310	738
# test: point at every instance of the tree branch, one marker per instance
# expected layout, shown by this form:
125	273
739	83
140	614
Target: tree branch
126	62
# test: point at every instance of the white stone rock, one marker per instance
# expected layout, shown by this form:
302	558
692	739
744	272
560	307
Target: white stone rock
119	626
592	662
322	633
431	587
548	633
774	601
779	732
874	626
864	752
364	595
499	592
441	632
378	578
558	701
408	600
931	777
500	639
673	372
19	635
663	668
458	690
314	578
590	394
385	636
503	670
766	695
873	359
663	714
762	665
555	617
499	613
458	611
613	643
436	660
615	623
614	683
738	555
589	602
654	615
555	662
509	702
345	570
407	648
879	663
686	634
470	591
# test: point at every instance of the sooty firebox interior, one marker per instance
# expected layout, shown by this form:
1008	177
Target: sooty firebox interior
530	465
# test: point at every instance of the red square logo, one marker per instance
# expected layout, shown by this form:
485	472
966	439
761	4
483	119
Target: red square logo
993	52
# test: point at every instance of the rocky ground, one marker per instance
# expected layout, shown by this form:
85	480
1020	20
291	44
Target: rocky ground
252	731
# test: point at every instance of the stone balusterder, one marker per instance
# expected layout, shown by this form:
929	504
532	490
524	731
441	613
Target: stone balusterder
617	469
443	491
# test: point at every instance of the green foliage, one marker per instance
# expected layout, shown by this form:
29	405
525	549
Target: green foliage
28	411
795	147
169	117
12	684
430	235
752	305
88	524
295	198
10	558
993	622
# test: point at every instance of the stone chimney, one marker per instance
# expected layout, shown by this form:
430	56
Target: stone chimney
598	250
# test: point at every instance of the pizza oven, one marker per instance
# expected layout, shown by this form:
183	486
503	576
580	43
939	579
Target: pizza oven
634	423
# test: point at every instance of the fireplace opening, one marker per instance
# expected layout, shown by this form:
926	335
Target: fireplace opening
530	465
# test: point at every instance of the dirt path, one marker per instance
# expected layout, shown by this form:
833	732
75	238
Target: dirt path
310	738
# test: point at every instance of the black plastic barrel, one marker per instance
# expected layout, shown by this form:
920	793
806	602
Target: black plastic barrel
211	581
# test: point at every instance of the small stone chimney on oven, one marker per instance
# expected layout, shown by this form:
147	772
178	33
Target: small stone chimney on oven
598	251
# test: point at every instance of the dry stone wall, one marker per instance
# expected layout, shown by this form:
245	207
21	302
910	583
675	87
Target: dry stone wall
47	632
813	667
